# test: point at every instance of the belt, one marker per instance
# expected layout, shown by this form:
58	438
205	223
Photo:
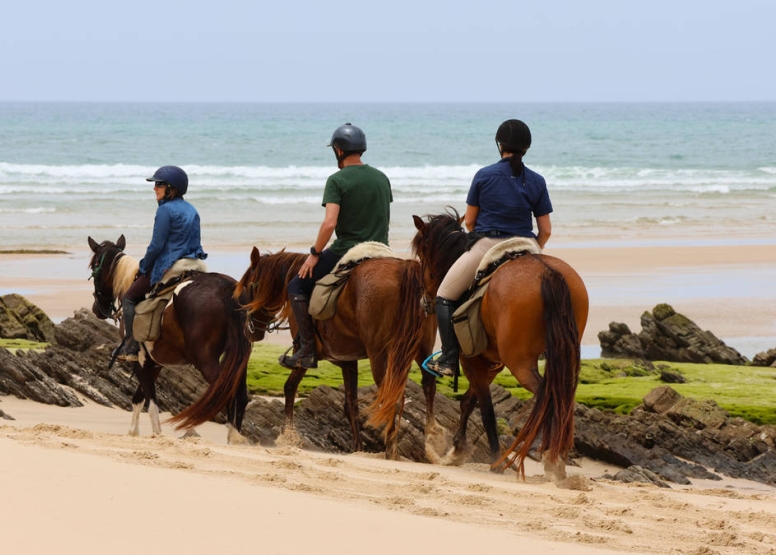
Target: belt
496	233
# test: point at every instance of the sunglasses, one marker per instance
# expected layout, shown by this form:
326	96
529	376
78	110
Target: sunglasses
159	184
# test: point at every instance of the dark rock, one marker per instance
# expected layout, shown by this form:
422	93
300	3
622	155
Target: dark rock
669	376
637	474
766	358
20	319
667	335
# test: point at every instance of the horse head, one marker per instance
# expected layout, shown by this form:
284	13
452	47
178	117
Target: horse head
102	265
261	291
438	243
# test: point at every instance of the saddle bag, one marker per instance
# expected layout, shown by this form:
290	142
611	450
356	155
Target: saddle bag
467	324
323	301
148	318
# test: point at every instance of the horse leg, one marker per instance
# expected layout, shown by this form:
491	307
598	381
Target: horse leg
489	421
350	379
392	434
138	400
235	413
467	404
147	371
290	389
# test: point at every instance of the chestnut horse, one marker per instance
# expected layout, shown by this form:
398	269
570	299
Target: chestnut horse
535	304
202	326
378	316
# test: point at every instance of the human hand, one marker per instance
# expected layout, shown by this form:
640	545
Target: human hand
307	268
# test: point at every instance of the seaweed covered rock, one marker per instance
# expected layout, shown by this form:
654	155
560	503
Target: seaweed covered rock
20	319
667	335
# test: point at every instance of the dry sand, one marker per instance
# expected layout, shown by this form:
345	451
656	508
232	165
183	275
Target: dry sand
72	482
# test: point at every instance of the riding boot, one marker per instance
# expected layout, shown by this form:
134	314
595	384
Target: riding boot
130	349
446	364
304	355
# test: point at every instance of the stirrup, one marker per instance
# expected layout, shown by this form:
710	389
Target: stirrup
294	362
433	367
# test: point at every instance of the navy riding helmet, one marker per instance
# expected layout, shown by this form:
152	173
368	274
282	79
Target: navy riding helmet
173	176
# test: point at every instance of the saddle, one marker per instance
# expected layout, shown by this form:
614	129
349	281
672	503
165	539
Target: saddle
467	323
148	313
323	301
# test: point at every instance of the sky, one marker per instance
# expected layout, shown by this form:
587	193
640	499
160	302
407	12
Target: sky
388	50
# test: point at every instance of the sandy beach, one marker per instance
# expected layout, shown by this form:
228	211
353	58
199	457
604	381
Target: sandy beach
97	489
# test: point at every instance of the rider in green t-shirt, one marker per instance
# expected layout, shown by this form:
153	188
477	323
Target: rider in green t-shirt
357	201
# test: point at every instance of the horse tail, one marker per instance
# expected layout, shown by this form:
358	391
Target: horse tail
232	370
402	348
552	415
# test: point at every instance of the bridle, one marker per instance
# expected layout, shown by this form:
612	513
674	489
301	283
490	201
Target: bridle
268	324
104	302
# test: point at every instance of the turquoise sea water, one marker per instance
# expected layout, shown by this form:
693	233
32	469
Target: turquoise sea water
618	173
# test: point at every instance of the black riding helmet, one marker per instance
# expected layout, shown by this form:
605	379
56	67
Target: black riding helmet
173	176
513	136
349	138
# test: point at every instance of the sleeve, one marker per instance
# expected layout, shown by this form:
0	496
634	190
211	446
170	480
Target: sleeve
473	198
543	205
332	192
158	239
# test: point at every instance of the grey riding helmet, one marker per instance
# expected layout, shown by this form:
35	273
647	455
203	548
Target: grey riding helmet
349	138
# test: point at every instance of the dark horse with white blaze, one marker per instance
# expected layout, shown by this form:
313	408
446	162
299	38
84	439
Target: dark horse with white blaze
202	326
535	304
378	316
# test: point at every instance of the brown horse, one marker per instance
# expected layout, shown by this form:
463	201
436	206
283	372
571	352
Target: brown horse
202	326
379	304
535	304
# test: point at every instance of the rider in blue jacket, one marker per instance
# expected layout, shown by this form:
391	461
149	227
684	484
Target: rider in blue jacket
176	237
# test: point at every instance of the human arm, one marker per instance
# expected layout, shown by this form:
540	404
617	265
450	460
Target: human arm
158	239
470	217
324	234
544	225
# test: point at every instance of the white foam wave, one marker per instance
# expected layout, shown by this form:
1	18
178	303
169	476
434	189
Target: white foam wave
420	182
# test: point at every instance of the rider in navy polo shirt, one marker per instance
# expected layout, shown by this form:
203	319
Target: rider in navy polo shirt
503	201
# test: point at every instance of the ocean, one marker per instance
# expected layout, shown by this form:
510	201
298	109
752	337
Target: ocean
618	173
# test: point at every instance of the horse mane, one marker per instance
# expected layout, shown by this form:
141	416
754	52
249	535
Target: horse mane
445	232
124	274
266	282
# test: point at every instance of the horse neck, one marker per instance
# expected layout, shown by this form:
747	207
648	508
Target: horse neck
276	271
124	274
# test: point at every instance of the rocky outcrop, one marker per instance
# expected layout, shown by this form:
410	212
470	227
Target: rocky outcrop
677	439
20	319
667	335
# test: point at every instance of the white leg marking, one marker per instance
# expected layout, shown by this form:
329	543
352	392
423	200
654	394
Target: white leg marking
134	426
153	413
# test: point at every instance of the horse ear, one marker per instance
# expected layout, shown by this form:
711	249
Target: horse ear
93	245
255	256
121	243
420	225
